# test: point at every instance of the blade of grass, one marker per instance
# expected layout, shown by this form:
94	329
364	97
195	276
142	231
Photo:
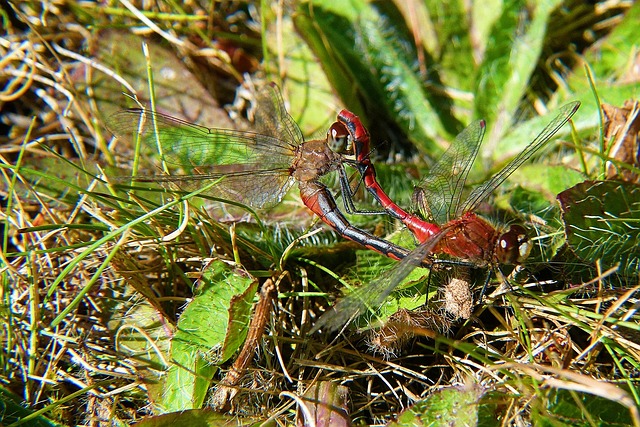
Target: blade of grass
107	238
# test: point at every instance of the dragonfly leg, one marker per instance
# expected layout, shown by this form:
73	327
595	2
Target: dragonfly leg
348	194
317	197
361	147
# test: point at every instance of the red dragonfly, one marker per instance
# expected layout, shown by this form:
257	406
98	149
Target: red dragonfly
254	168
462	234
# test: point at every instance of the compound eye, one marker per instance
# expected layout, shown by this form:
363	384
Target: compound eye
338	138
514	246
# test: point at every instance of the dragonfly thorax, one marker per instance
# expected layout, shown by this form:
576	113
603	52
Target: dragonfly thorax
476	240
313	160
513	246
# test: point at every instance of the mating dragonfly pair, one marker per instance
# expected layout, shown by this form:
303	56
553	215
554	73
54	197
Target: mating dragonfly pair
257	169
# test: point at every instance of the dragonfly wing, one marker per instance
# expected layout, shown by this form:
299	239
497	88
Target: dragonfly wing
373	294
273	119
259	189
187	144
437	196
256	166
480	192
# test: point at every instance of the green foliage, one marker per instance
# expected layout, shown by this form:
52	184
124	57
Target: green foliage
12	412
96	273
210	330
454	407
572	409
371	62
602	222
371	55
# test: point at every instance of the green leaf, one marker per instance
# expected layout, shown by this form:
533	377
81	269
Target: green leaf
602	222
370	60
611	61
512	53
518	136
177	89
545	179
567	408
145	336
451	47
457	406
211	328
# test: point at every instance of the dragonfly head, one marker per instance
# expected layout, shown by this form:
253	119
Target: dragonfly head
338	138
513	246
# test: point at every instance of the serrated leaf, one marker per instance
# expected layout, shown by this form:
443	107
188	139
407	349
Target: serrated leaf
457	406
370	60
602	222
211	328
513	48
452	47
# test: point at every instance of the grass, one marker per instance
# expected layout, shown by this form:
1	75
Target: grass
123	302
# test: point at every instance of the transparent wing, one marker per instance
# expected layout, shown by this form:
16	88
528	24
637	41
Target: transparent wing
273	119
437	196
255	165
373	294
481	192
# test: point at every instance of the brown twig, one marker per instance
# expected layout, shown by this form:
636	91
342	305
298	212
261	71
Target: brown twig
226	388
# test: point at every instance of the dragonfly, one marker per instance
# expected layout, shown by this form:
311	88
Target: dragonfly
254	168
453	228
